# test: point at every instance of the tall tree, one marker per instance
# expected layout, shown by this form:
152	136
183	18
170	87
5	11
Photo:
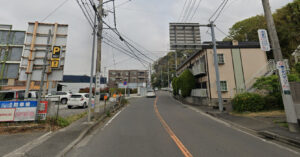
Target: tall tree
287	21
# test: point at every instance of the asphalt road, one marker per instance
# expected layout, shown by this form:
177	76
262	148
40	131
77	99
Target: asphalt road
171	130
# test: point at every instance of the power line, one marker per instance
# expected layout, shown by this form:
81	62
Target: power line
221	31
190	10
52	12
86	10
90	22
182	10
216	11
221	11
195	10
186	9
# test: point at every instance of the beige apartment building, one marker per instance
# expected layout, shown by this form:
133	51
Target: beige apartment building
240	63
134	78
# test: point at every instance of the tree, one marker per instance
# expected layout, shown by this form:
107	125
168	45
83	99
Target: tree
287	21
186	82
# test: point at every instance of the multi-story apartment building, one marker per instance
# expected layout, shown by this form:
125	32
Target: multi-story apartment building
240	63
134	78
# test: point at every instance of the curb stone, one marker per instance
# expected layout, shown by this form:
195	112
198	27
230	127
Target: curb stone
84	134
262	134
274	136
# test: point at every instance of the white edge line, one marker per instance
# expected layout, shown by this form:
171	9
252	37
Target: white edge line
233	127
112	119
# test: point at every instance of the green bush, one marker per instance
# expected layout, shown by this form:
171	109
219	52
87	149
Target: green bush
273	102
251	102
186	82
297	67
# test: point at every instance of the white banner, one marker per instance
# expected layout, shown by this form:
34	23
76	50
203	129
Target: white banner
7	114
25	114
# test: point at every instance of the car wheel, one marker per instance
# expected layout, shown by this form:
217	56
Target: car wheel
64	101
69	107
84	105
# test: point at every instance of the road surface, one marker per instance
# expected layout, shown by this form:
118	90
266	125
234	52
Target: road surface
150	127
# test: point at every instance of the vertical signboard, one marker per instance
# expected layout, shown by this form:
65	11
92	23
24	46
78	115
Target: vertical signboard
36	47
264	40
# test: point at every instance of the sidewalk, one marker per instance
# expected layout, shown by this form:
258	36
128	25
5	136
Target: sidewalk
55	143
261	126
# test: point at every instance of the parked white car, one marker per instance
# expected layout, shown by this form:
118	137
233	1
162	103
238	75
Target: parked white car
79	100
150	93
63	96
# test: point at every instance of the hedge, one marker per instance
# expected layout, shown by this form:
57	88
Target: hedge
251	102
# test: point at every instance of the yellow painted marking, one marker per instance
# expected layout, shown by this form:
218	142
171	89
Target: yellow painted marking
179	144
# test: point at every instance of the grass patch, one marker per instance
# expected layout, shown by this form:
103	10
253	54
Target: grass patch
281	123
273	113
63	122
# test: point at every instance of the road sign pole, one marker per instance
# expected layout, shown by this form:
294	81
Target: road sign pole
92	70
43	74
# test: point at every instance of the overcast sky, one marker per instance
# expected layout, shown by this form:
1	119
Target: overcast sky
146	22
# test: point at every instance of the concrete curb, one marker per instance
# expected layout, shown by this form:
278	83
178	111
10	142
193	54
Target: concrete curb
274	136
262	134
84	133
21	151
80	137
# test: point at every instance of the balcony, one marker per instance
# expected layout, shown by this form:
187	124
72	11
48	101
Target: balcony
198	68
199	93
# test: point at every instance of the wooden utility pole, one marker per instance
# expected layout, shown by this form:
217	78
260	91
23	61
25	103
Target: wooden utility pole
289	106
98	59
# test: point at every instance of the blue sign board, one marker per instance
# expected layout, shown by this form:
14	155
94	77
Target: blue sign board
17	104
125	83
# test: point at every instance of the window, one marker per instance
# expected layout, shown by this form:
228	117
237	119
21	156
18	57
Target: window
112	79
223	85
221	58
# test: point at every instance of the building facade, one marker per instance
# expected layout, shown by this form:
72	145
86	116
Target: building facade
134	78
240	63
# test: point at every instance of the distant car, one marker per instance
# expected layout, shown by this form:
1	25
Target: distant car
150	93
156	89
15	95
78	100
63	96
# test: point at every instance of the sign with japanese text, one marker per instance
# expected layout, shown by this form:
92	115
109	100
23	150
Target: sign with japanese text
7	114
264	40
283	78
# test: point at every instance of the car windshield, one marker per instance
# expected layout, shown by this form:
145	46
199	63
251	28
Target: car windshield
76	96
150	90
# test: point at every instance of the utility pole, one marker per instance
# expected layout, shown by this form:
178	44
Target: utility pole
220	101
161	80
168	73
289	106
98	59
92	70
175	63
150	72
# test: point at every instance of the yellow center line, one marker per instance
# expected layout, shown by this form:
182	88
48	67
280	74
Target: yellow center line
179	144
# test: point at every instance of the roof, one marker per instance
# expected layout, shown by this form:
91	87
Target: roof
222	45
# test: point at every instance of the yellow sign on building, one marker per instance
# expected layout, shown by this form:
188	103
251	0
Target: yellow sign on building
56	51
